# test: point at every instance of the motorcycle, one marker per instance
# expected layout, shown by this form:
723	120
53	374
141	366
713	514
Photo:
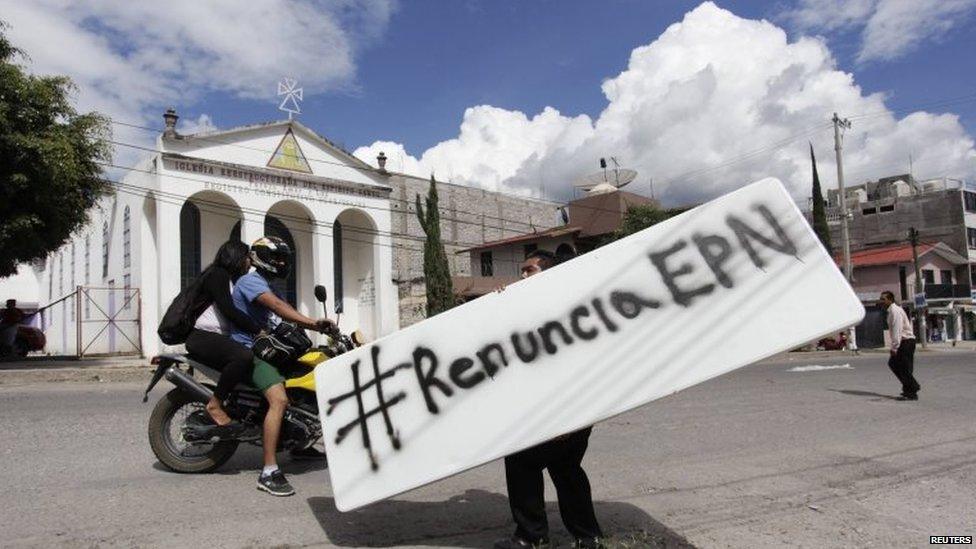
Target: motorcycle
180	428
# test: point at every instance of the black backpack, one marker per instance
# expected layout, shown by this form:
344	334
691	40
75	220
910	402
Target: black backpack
182	314
283	346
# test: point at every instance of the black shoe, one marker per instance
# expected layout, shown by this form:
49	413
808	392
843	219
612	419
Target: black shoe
516	542
308	454
907	397
275	484
588	543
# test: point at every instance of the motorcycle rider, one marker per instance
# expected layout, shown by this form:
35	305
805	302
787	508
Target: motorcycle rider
271	258
210	340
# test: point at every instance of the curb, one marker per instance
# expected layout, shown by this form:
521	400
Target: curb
76	375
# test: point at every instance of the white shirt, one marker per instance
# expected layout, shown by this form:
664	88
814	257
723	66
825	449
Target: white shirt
899	327
211	320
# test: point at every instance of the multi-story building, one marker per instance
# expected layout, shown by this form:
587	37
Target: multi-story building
880	215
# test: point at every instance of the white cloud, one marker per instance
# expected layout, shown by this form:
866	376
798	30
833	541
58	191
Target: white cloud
889	28
132	59
713	88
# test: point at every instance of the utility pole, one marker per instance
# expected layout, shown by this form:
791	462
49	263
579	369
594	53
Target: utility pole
844	230
919	289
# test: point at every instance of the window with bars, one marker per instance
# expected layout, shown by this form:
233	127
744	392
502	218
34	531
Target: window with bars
105	249
971	236
87	259
126	239
189	243
126	285
970	201
71	286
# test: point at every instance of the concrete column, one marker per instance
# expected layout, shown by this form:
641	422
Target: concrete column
168	252
322	265
252	226
387	299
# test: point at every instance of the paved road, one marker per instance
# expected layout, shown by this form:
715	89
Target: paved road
764	457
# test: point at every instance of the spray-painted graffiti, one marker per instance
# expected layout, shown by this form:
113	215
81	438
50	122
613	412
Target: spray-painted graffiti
441	378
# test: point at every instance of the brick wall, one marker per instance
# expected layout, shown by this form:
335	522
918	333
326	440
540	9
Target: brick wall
469	216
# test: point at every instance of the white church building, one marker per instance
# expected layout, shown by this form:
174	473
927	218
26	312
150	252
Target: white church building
173	209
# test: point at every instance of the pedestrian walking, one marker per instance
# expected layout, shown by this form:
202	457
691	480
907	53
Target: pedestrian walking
902	348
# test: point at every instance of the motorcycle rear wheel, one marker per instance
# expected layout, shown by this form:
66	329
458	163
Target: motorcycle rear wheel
167	441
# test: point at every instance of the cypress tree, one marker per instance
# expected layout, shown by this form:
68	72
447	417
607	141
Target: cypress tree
437	274
819	208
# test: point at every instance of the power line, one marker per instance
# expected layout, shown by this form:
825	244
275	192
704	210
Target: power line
346	204
231	212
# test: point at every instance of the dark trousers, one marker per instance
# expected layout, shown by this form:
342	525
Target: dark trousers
523	474
234	360
902	364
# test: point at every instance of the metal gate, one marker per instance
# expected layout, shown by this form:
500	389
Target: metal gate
108	321
93	321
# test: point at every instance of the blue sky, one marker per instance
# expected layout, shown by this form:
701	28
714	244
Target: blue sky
438	58
505	94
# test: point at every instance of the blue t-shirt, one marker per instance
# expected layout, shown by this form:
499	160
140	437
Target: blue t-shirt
246	291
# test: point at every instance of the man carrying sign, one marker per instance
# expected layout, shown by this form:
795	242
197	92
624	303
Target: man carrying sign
562	456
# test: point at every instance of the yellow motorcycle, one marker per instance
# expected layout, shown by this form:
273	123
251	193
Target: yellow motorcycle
179	426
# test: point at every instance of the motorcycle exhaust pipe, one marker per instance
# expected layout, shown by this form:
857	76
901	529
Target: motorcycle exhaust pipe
186	382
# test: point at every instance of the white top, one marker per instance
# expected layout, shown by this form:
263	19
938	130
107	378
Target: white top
211	320
899	327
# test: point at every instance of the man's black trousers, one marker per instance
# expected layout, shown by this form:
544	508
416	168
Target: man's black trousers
523	474
235	361
903	366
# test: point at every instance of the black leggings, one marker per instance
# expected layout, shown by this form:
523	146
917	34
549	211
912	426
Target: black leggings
234	360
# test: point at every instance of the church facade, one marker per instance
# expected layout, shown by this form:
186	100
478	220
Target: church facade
172	211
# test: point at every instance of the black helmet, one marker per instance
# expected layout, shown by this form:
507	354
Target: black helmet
271	256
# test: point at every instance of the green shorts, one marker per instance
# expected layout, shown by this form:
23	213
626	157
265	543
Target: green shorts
265	375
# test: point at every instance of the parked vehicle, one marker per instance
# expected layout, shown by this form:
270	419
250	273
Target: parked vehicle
179	423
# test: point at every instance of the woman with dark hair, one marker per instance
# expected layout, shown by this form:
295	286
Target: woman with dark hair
210	341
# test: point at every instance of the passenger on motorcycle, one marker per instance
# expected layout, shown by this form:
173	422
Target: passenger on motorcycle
272	258
210	341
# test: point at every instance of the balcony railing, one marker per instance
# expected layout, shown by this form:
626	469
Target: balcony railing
946	291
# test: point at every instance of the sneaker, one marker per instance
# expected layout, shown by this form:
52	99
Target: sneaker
308	454
907	397
275	484
588	543
516	542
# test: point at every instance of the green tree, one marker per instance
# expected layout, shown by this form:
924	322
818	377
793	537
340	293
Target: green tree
49	161
819	208
638	218
437	274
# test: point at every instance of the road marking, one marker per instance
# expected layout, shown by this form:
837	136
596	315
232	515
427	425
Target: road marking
817	368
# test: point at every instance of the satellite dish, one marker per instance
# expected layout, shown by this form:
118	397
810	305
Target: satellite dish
608	180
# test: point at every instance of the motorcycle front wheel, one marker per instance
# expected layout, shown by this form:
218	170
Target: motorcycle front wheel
167	442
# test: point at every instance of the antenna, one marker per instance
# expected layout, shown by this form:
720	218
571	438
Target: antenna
601	182
288	87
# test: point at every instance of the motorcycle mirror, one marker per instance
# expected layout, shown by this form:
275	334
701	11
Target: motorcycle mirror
320	293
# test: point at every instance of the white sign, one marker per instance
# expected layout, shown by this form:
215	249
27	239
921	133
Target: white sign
717	288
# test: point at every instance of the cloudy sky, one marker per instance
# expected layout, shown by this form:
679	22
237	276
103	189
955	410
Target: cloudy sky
526	96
